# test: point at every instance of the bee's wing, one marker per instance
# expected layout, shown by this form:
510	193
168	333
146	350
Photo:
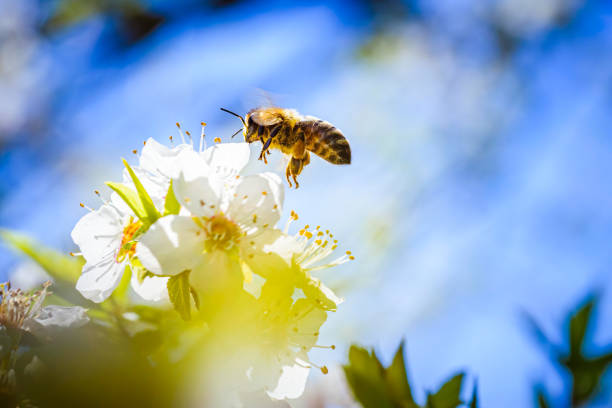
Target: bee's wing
267	117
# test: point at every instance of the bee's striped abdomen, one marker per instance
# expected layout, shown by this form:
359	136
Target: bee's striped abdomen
327	141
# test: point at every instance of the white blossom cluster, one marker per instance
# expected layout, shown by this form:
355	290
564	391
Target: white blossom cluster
192	215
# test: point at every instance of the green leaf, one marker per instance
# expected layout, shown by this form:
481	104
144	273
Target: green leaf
196	298
474	401
365	375
171	204
65	270
57	265
449	394
579	322
179	292
152	214
397	379
130	197
541	398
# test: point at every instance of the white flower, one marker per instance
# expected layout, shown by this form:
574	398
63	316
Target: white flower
295	257
226	216
285	332
104	237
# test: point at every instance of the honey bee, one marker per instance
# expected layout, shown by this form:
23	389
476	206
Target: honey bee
294	135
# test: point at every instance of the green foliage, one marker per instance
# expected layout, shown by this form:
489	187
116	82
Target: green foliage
474	401
585	371
449	394
151	213
64	269
57	265
179	292
374	385
130	197
171	204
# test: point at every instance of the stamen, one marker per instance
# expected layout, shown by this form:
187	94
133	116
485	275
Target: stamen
217	140
333	347
202	141
86	207
76	253
97	192
178	125
190	139
171	140
135	151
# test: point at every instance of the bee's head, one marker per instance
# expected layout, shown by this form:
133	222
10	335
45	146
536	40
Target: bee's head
249	130
244	129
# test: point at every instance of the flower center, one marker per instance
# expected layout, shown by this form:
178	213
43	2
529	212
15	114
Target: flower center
221	233
127	247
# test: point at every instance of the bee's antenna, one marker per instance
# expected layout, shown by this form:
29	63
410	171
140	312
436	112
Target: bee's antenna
238	131
235	114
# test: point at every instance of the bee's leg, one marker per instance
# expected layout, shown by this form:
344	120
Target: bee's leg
288	173
264	150
296	168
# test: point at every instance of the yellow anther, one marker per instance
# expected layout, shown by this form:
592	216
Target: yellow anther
302	232
334	247
324	244
318	226
348	252
318	242
352	258
324	370
135	151
187	133
217	140
308	234
254	218
265	193
319	234
203	123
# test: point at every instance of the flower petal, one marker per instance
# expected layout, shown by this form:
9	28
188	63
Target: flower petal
99	233
160	159
218	271
265	253
62	317
292	381
201	196
99	280
172	245
257	201
152	288
227	159
308	319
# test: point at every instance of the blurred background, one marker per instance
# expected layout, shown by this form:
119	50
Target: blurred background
480	186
